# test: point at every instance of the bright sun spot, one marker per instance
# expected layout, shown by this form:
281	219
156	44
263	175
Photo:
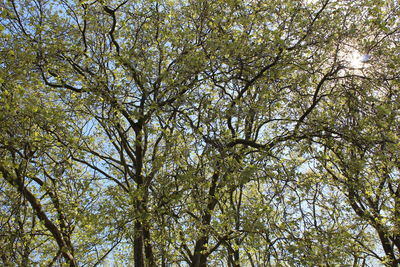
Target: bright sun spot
357	60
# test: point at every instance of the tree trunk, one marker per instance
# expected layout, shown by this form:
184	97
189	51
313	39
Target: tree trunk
138	245
143	252
199	257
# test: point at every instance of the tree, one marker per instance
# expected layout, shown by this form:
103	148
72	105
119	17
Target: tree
200	132
25	123
42	190
358	151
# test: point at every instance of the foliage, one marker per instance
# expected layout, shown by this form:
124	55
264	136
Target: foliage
195	133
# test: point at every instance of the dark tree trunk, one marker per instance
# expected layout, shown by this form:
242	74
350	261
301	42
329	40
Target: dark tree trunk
199	257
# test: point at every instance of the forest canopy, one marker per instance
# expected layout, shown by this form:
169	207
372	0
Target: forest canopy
199	133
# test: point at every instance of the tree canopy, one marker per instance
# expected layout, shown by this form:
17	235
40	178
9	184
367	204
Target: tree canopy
200	133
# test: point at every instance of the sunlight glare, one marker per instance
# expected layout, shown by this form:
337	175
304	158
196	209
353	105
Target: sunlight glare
357	60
